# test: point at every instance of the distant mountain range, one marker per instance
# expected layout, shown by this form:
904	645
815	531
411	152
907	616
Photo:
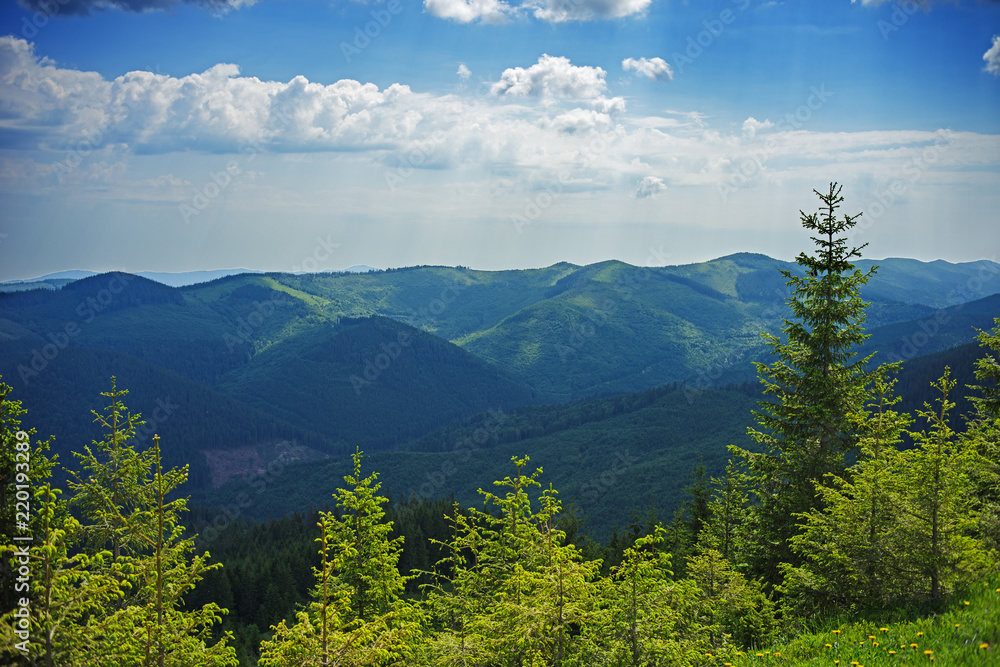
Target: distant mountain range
229	369
178	279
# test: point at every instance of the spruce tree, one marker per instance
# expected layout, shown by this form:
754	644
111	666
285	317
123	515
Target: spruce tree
849	545
984	435
815	383
356	615
938	514
22	468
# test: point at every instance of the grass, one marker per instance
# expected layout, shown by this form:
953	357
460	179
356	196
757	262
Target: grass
965	633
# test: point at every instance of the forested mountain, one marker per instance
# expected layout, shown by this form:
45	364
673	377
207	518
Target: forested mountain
663	515
382	359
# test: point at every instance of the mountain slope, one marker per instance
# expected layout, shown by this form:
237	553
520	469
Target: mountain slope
371	382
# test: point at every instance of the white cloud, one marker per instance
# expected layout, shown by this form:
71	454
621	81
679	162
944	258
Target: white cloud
467	11
649	187
751	126
85	7
305	140
992	57
581	120
651	68
552	11
463	72
561	11
609	105
552	77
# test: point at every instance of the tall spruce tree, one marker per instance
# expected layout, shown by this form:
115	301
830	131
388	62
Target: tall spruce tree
815	383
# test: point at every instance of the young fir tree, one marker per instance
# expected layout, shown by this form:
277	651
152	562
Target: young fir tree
988	372
356	615
848	546
22	468
115	483
983	434
813	386
69	592
511	591
730	609
937	515
644	617
122	499
727	506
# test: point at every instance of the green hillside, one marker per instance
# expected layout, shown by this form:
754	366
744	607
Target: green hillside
285	347
371	382
607	457
190	418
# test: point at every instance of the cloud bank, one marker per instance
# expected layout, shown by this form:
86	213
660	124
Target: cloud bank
551	11
87	7
544	123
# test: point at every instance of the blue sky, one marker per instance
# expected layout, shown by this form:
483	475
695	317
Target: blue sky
169	136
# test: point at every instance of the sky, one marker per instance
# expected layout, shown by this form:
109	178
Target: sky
283	135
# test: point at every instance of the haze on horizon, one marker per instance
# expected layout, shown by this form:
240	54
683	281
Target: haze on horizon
489	134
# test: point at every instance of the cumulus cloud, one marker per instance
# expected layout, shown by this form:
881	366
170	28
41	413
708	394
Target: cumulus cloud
552	11
467	11
581	120
608	105
992	57
649	187
552	77
751	125
656	69
86	7
463	72
561	11
216	110
563	120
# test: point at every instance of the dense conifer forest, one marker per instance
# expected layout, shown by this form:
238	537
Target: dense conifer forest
844	529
